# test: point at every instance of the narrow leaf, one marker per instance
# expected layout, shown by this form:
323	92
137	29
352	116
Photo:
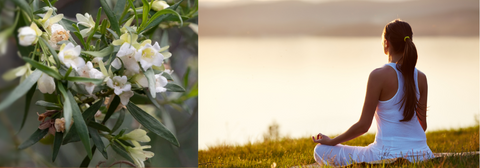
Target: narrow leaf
113	106
86	160
80	125
111	16
71	136
151	82
47	104
168	76
21	89
34	138
84	79
152	124
172	87
97	140
185	78
155	21
119	120
56	144
121	151
24	6
90	112
67	107
43	68
102	53
119	8
52	51
98	126
28	100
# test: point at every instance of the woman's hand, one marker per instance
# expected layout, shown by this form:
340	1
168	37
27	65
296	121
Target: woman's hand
323	139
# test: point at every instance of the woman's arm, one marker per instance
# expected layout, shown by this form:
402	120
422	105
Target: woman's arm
374	88
422	102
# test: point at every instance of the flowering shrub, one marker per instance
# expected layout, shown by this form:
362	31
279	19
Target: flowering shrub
110	65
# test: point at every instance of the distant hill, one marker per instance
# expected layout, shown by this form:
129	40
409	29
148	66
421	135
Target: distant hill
338	18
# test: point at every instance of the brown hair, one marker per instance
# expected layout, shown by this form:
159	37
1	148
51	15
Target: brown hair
399	34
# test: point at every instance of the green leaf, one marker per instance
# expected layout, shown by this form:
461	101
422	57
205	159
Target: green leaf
45	69
121	151
102	53
168	76
113	106
119	7
151	82
84	79
86	160
97	140
146	9
24	6
21	89
152	124
34	138
71	136
119	120
90	112
70	106
67	107
172	87
80	125
166	118
157	18
185	78
28	100
99	13
56	144
111	16
98	126
44	43
47	104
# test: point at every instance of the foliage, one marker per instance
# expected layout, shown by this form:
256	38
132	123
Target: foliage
109	68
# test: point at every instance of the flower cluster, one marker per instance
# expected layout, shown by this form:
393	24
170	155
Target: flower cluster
90	78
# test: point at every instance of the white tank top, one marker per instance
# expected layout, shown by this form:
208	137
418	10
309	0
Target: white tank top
392	135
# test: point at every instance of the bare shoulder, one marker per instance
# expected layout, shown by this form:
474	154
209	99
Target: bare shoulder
382	72
422	79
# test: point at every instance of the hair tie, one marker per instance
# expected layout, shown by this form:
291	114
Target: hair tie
405	39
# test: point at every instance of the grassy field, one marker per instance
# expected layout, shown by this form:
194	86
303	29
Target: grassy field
288	152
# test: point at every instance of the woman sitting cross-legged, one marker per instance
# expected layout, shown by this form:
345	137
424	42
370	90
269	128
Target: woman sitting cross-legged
397	97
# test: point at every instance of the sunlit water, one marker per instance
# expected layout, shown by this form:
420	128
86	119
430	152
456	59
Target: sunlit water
317	84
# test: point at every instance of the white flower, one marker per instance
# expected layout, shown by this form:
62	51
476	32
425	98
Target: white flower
29	35
23	71
137	135
159	5
138	154
160	83
119	84
70	56
125	97
46	84
47	21
150	56
58	34
89	72
129	56
87	21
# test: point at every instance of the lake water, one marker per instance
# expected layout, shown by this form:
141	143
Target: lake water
317	84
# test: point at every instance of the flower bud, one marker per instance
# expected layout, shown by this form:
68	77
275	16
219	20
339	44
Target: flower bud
159	5
26	36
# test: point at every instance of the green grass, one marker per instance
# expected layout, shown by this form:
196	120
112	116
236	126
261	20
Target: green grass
288	152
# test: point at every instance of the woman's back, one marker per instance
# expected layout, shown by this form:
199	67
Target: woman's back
392	134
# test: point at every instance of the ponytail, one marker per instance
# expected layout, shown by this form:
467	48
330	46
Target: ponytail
399	34
409	100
